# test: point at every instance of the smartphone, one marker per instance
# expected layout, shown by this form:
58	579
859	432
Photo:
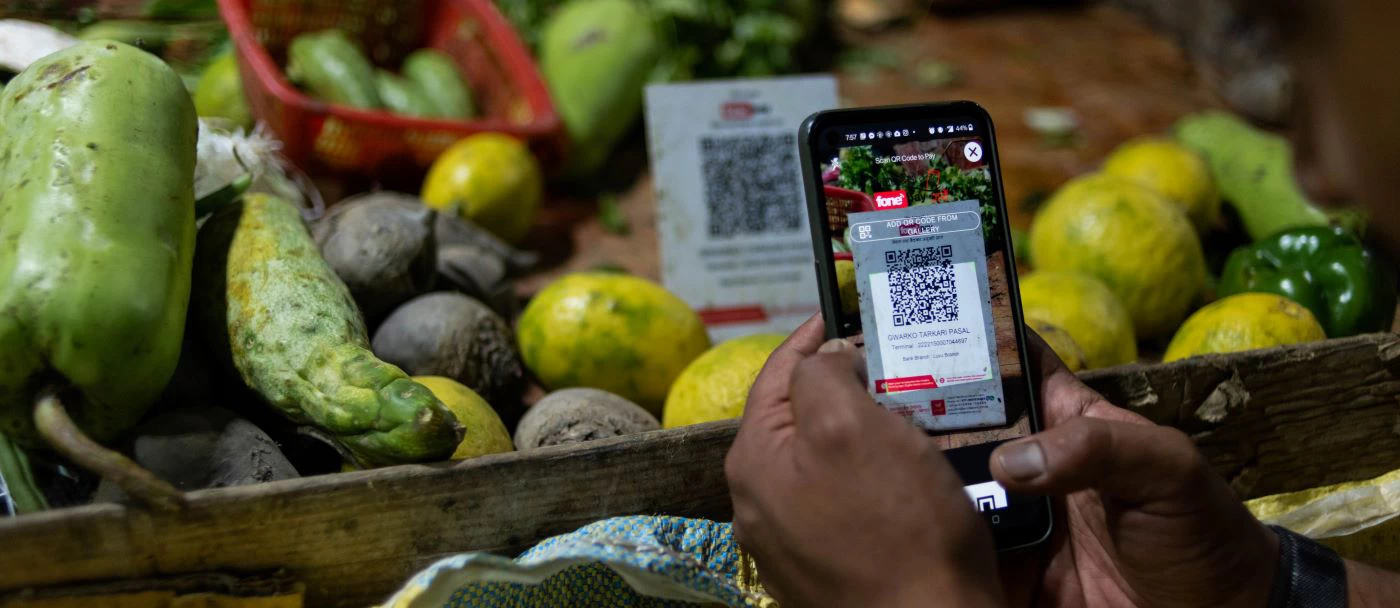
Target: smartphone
914	263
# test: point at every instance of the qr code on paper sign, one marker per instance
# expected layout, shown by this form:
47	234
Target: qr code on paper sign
751	184
921	283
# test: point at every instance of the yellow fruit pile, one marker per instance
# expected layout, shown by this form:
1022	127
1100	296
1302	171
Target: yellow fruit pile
1118	259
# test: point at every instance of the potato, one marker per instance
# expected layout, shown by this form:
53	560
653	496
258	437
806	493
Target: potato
382	246
575	415
449	334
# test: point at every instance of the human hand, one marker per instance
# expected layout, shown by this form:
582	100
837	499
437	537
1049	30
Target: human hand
843	503
1144	520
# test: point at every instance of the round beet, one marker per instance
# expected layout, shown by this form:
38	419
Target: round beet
449	334
575	415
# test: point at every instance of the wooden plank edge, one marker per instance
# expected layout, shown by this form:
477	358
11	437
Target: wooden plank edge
353	537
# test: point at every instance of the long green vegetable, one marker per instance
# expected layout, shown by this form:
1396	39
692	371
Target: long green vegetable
264	295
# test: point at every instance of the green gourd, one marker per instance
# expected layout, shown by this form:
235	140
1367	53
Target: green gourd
96	242
400	96
333	69
265	297
436	76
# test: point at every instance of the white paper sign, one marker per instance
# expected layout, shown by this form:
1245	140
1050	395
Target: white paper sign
731	210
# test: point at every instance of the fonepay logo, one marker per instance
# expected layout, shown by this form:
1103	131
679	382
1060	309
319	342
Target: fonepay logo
741	110
895	199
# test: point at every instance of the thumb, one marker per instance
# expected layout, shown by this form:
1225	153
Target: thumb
1130	462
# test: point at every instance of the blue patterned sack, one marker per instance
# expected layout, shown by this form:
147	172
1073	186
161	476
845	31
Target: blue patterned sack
639	561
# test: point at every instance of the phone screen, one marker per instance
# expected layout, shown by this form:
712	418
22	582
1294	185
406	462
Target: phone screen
915	265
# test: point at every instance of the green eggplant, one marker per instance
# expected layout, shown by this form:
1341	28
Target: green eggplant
437	77
286	324
96	244
329	65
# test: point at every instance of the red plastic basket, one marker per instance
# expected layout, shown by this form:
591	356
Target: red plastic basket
510	94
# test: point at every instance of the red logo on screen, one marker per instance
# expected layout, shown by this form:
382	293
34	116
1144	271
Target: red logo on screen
895	199
737	110
939	407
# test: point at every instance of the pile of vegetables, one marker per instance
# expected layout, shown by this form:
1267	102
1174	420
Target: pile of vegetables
1202	242
187	315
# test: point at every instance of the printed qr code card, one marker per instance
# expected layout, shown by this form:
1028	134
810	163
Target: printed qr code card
926	309
731	211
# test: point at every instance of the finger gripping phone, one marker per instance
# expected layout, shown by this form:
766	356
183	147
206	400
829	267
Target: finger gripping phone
914	263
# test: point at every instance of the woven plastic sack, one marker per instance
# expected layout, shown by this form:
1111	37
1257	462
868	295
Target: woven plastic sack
1357	519
639	561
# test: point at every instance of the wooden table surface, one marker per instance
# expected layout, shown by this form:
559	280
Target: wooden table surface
1120	78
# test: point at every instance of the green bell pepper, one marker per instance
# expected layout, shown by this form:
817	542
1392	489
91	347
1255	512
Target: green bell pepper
1324	268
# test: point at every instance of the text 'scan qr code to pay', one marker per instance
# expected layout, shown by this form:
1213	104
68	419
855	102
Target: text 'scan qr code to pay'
748	184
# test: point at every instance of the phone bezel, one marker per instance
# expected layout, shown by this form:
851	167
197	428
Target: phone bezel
812	128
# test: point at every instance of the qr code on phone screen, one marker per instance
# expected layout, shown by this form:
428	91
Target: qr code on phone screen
751	184
921	283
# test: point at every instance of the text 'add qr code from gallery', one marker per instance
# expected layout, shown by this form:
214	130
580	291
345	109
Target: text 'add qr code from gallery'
750	184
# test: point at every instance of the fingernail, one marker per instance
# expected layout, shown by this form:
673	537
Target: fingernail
1023	461
839	345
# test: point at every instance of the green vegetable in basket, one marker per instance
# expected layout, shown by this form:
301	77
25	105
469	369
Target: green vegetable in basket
265	298
596	56
401	96
96	242
437	77
1324	268
329	65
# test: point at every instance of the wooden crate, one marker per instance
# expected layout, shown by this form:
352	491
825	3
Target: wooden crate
1271	421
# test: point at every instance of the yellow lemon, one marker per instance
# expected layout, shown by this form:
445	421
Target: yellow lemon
219	93
486	434
614	332
846	281
1171	170
1244	322
716	385
1081	306
490	179
1060	341
1141	246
